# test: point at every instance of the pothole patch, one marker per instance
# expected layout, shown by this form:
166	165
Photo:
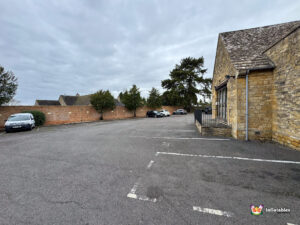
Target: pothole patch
154	192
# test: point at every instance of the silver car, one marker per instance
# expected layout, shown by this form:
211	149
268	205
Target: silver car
180	112
20	121
165	112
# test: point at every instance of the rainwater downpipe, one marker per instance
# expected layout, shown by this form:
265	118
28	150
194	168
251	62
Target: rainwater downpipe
246	136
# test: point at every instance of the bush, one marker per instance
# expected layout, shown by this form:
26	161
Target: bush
39	117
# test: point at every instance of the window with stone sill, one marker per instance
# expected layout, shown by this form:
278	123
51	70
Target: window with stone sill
222	103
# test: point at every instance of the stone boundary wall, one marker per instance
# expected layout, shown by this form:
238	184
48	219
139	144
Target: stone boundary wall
75	114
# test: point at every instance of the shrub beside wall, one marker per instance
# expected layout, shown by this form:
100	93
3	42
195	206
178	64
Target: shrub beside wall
39	117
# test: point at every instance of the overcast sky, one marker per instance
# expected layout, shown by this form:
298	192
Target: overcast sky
68	47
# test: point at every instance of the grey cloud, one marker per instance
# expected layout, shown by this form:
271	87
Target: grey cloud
64	47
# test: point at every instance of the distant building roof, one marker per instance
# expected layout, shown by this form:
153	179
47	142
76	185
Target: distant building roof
82	100
118	103
246	47
47	102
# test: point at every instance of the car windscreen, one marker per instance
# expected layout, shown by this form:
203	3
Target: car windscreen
19	118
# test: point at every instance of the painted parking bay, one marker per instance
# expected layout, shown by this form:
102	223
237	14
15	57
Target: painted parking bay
223	186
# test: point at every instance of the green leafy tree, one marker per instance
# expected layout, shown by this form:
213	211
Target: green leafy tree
102	100
154	101
203	104
121	96
186	80
172	98
132	99
8	86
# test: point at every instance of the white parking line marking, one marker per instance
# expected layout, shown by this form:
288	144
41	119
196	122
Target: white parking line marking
167	130
212	211
167	144
226	157
133	189
182	138
150	164
291	224
140	197
133	195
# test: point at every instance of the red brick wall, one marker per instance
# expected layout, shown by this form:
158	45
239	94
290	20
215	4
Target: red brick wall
75	114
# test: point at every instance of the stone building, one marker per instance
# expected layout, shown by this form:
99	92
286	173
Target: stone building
256	83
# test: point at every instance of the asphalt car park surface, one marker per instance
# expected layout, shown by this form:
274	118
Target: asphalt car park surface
143	171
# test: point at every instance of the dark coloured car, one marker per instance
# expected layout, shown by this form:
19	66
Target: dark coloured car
154	114
180	112
208	110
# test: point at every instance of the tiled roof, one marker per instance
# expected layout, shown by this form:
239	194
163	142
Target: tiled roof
76	100
246	47
82	100
69	100
48	102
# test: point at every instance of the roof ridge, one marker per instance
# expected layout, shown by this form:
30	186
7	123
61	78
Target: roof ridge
282	37
266	26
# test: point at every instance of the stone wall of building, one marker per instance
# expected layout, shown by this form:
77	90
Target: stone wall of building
75	114
274	96
224	67
260	103
286	113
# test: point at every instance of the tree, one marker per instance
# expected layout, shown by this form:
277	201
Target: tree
203	104
12	102
121	96
172	98
102	100
186	80
8	86
154	101
132	99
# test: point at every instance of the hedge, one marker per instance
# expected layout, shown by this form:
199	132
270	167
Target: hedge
39	117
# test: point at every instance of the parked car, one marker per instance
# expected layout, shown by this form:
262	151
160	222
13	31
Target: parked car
154	114
179	112
20	121
208	110
165	112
